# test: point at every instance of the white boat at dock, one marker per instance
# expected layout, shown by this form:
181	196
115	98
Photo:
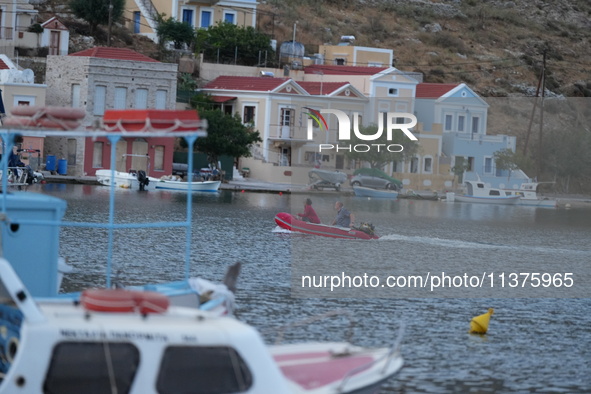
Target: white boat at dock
134	180
479	192
361	191
195	186
528	193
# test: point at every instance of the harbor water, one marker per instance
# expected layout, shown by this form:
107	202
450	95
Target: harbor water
538	340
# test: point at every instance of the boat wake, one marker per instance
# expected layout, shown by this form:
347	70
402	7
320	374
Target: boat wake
460	244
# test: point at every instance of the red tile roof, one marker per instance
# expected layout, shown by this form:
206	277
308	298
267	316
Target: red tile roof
314	88
434	90
114	53
222	99
3	66
260	84
343	70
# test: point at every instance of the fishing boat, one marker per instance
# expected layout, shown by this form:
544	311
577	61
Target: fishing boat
144	339
289	222
528	193
125	341
198	186
479	192
361	191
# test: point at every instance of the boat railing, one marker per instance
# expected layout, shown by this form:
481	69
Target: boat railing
190	132
386	358
304	322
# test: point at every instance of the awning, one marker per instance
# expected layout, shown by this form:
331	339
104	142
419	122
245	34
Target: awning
222	99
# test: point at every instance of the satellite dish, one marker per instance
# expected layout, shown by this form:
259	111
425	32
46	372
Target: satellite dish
28	75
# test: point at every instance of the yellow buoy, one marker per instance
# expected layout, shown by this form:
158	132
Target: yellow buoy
479	324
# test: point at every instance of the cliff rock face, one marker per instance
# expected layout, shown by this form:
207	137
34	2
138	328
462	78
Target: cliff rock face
495	46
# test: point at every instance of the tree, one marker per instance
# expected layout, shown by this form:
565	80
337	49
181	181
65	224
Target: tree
226	135
507	160
379	158
96	12
176	31
224	39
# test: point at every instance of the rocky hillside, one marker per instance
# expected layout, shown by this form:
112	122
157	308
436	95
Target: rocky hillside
495	46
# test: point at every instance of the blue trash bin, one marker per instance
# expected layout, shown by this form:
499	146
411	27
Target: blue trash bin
50	163
62	167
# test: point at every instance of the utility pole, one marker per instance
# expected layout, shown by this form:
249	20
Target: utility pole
110	23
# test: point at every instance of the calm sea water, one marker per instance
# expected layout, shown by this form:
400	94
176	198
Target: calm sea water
537	341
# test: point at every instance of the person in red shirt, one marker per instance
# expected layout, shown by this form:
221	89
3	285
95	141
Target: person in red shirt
309	214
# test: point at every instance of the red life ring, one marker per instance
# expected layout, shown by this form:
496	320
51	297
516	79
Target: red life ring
124	301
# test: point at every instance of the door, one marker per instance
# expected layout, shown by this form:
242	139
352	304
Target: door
120	156
54	42
140	159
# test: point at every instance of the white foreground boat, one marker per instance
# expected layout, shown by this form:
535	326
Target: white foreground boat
479	192
126	180
204	186
121	341
136	341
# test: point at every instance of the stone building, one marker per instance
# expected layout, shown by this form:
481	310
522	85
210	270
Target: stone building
104	78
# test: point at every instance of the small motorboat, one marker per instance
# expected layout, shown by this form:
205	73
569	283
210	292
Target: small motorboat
195	186
361	191
289	222
135	180
322	179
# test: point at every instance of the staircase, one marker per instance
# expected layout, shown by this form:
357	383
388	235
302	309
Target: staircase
149	12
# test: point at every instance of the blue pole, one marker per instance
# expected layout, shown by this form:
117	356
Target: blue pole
113	140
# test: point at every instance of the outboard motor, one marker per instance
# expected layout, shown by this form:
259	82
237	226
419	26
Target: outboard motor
143	179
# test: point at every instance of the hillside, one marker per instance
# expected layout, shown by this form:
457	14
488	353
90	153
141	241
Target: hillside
494	46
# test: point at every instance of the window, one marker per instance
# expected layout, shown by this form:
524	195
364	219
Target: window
428	165
230	17
494	193
393	92
75	95
448	122
84	364
205	19
475	124
470	164
159	158
72	144
99	100
97	154
188	17
488	163
211	369
160	99
141	98
414	165
120	98
461	120
286	116
249	114
136	21
340	61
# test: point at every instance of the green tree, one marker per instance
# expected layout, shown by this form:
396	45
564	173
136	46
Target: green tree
223	40
507	160
176	31
226	135
96	12
379	158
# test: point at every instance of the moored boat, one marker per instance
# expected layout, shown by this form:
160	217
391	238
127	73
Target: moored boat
197	186
134	180
135	342
479	192
289	222
361	191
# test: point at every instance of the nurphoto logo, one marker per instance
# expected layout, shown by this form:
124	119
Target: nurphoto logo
344	131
